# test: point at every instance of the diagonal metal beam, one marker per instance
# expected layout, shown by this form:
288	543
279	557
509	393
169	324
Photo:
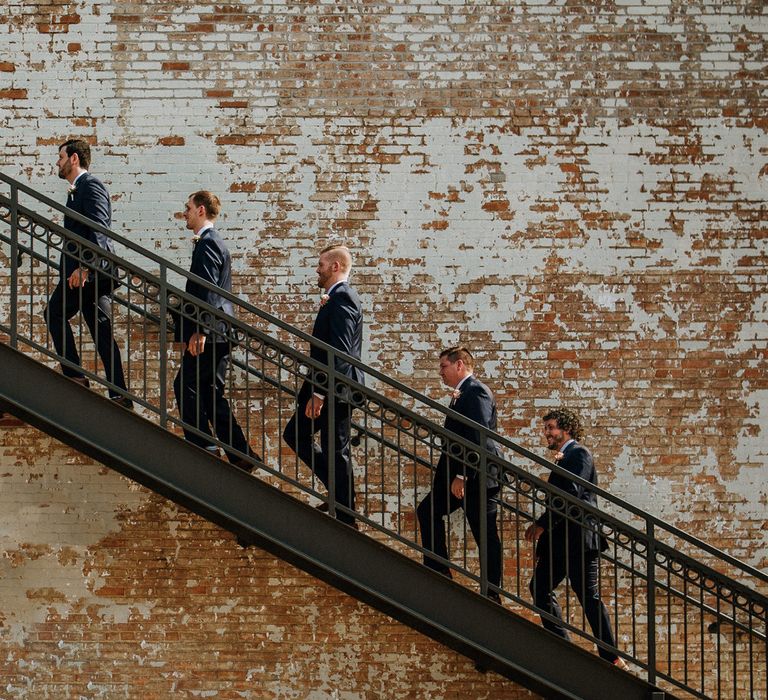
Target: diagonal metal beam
494	637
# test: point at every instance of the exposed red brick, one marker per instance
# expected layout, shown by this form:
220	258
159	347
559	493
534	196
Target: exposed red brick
562	355
496	205
169	66
439	225
233	140
219	93
595	228
243	187
13	94
200	28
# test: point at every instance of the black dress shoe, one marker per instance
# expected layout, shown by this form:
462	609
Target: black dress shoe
82	381
245	464
123	401
322	507
494	596
241	463
243	542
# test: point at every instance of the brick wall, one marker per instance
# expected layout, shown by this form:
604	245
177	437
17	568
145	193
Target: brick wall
110	591
577	190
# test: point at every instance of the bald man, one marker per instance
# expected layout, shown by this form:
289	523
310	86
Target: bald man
339	323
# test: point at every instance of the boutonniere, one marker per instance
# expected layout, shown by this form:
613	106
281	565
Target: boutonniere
559	456
324	299
195	239
71	189
455	395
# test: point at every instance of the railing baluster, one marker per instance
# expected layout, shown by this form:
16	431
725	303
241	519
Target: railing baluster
685	630
701	640
719	675
734	654
330	452
482	476
385	455
163	349
651	602
14	211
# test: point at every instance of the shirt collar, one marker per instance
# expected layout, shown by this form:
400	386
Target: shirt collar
458	386
330	291
203	230
567	445
74	182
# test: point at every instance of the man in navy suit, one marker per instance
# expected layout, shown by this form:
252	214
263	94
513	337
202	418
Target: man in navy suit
339	323
82	288
567	547
455	485
199	384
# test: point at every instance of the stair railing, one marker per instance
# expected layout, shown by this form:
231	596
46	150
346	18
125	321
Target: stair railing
685	614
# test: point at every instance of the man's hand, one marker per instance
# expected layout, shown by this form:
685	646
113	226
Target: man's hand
533	532
314	406
196	344
78	278
457	487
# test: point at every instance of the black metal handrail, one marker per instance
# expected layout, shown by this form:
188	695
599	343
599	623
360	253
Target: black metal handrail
644	567
369	371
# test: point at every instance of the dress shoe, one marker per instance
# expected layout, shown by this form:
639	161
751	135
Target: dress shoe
494	596
245	464
322	507
123	401
242	463
82	381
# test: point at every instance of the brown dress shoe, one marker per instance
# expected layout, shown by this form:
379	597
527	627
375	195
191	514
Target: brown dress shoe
82	381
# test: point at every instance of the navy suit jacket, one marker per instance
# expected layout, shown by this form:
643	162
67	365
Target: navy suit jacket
90	199
339	323
210	261
577	459
476	402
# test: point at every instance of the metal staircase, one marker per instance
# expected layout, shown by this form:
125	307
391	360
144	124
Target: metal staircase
688	618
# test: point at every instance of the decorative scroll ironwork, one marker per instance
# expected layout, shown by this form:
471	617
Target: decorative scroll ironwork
684	614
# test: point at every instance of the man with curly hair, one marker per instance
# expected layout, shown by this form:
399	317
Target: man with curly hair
570	544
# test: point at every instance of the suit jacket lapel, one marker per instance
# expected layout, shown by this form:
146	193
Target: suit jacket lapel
321	314
465	386
73	198
320	321
568	449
